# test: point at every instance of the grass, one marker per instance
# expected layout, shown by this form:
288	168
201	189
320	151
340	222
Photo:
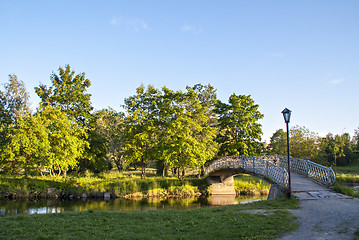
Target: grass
227	222
346	177
128	184
246	184
356	235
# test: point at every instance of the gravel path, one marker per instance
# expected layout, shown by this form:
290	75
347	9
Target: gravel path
324	214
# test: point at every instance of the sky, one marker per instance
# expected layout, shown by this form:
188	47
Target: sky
302	55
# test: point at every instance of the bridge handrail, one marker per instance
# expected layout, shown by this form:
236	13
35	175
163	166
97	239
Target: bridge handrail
315	171
274	167
256	165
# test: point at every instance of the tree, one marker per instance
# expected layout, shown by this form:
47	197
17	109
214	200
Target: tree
69	92
336	150
187	140
16	97
14	102
109	124
356	139
140	126
28	147
47	139
278	143
303	143
207	96
239	130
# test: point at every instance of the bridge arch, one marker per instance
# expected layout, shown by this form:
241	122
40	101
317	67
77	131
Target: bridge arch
271	168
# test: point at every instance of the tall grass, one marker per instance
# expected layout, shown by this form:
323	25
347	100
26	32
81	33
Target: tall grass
346	178
119	185
249	185
127	184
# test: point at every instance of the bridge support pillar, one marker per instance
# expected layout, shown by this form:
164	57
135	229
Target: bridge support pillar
274	192
221	186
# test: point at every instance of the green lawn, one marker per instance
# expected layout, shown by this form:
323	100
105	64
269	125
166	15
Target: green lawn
346	177
227	222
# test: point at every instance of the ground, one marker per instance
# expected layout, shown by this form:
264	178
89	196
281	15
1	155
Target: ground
324	214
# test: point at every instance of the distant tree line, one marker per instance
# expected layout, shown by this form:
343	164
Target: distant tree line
331	150
173	129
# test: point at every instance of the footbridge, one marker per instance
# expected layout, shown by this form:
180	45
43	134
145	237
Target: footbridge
271	168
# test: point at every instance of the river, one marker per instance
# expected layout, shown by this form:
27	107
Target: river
44	206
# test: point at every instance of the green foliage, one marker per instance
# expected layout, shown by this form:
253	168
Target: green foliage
47	139
337	150
239	130
14	102
28	147
303	143
140	122
69	92
331	150
227	222
172	127
187	139
278	143
105	141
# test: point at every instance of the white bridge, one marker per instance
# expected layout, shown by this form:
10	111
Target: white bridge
272	168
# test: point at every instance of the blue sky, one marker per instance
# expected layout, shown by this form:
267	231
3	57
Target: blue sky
303	55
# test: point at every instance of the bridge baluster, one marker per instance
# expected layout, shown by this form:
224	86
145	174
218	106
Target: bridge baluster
263	166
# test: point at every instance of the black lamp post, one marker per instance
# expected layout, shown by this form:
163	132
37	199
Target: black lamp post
286	114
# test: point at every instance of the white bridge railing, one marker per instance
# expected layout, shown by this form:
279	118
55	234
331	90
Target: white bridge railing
315	171
273	167
256	165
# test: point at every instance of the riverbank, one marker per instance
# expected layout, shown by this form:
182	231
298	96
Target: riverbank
347	180
258	220
114	185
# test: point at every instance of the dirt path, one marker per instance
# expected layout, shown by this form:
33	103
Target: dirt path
324	214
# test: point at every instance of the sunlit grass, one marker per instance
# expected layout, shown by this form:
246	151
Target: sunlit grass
128	184
246	184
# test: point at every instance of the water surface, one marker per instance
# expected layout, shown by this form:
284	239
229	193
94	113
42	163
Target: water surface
44	206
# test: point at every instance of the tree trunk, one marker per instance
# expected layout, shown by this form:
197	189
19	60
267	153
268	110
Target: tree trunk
143	174
202	171
119	164
164	170
183	172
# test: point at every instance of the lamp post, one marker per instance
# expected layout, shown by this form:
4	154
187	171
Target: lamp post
286	114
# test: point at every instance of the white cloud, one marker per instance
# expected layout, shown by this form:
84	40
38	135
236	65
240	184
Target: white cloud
191	28
134	24
336	81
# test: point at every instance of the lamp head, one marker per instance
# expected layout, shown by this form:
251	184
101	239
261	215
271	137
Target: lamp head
286	114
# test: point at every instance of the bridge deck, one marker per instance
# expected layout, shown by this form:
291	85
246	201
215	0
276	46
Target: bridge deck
304	184
307	189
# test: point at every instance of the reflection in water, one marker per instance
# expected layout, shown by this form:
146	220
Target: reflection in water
44	206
